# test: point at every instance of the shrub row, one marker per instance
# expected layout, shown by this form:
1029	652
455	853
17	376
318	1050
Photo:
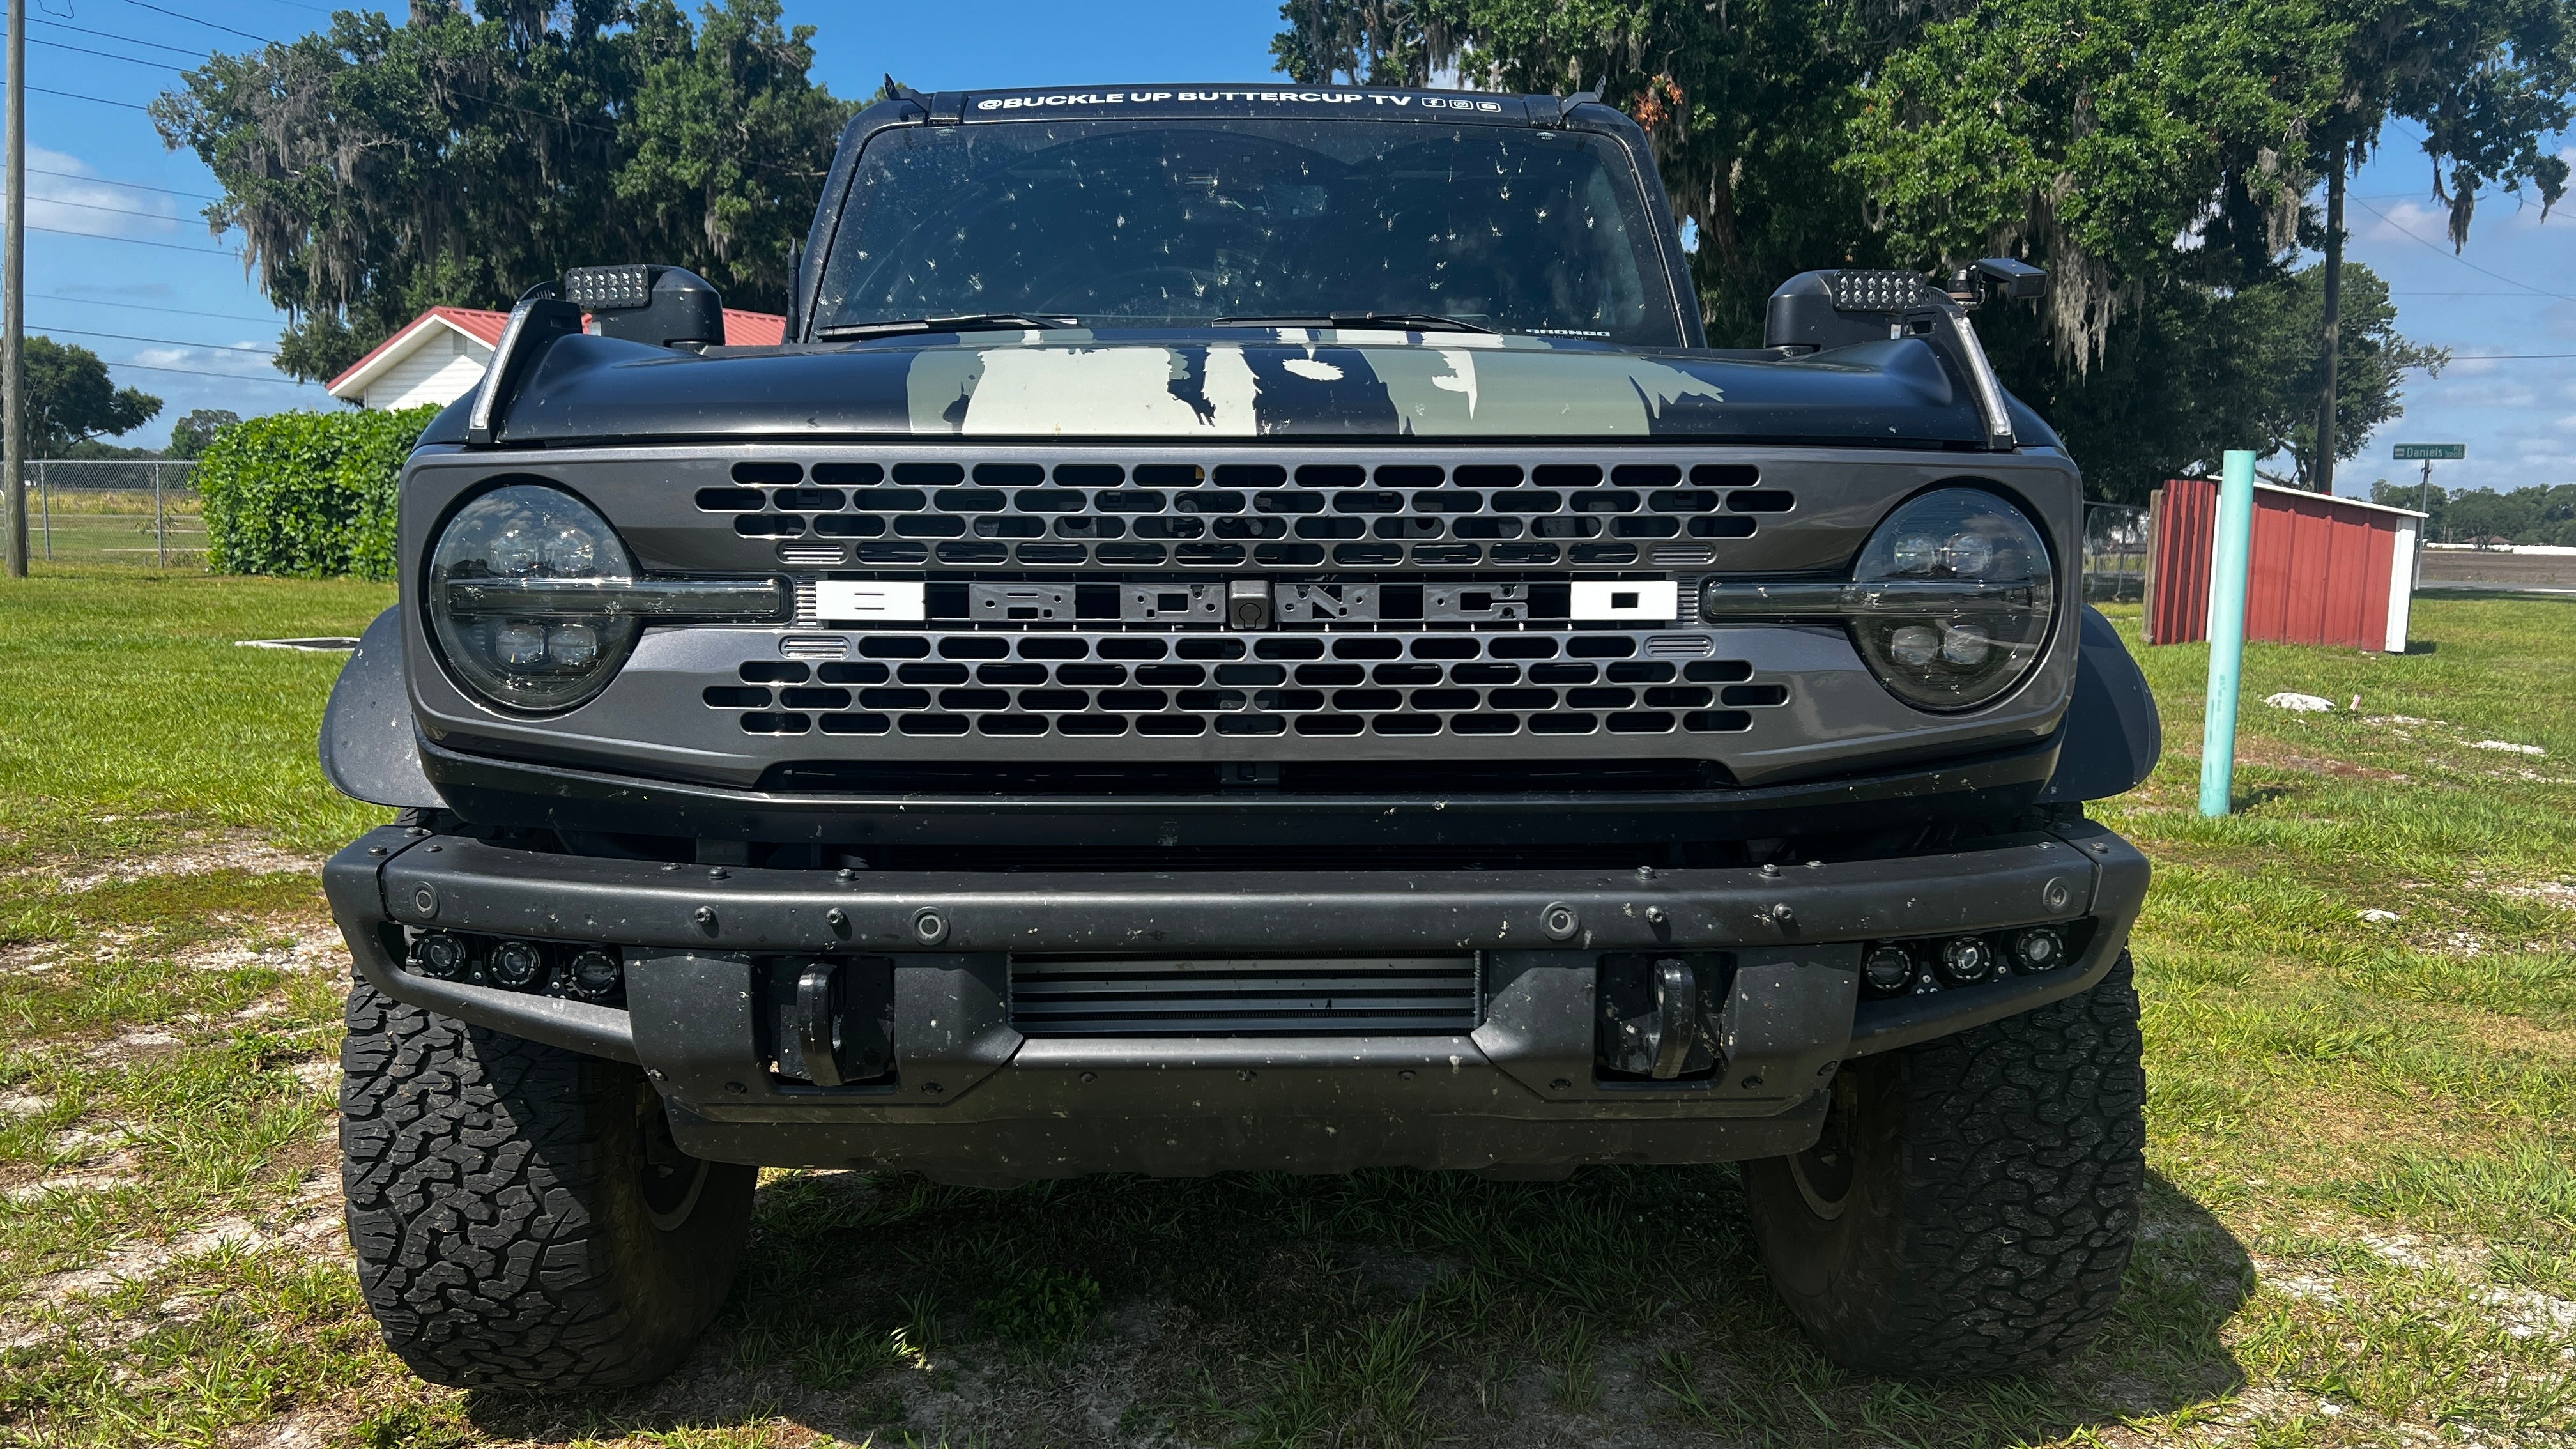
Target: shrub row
310	495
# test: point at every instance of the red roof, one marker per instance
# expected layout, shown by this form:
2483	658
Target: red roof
485	325
754	329
742	329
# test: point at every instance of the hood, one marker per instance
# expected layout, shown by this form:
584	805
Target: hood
1237	383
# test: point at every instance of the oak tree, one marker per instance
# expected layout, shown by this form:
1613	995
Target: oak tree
71	401
375	169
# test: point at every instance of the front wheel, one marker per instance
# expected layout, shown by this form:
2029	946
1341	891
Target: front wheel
520	1214
1970	1205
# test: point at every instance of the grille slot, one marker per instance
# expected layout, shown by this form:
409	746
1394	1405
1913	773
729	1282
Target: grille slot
1325	996
1179	516
1107	685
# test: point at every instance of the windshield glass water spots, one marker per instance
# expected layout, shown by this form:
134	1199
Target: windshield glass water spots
1161	223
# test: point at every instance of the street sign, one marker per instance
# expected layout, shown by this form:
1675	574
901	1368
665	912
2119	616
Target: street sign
2412	452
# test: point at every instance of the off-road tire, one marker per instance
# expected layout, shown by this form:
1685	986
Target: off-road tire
1970	1208
519	1215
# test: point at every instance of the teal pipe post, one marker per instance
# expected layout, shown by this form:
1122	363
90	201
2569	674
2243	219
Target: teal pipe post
2231	554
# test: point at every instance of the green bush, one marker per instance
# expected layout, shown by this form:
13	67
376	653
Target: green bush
309	495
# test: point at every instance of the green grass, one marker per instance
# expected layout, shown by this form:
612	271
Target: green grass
2362	1214
133	717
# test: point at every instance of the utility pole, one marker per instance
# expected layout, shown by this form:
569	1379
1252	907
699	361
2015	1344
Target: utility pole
2322	475
13	283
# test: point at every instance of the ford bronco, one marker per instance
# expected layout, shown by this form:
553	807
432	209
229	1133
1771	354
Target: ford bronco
1240	628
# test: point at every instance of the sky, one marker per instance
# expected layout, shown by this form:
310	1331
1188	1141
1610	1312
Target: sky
119	262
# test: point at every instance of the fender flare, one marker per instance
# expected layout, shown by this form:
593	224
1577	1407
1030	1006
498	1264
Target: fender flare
2112	737
370	750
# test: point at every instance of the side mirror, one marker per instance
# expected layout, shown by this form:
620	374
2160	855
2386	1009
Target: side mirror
656	305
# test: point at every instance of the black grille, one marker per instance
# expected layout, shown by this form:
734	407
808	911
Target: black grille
1248	515
1281	777
1188	684
1301	997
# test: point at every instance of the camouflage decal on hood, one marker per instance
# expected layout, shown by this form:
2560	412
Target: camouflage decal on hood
1236	383
1371	384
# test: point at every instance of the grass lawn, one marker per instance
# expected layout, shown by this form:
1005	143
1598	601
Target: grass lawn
2361	1226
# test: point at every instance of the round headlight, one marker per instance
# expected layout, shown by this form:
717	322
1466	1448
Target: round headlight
495	610
1963	596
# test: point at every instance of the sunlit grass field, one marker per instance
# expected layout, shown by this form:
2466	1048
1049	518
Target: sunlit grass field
2361	1226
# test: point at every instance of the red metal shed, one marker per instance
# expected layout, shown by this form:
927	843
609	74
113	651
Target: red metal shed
2325	570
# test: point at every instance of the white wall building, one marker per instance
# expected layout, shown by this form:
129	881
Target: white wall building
440	355
437	358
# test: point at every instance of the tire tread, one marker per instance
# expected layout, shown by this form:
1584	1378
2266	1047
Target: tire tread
473	1164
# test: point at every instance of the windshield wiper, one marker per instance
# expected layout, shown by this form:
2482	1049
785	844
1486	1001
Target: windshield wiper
1408	321
962	322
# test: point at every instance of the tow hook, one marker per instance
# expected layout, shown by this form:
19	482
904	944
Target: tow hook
1659	1016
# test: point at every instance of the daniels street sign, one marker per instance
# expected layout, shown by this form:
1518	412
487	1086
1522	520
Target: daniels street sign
2411	452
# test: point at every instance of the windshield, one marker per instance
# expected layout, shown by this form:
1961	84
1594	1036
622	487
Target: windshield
1157	223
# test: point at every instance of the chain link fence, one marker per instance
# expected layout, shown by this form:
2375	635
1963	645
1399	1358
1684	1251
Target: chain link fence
2115	553
139	512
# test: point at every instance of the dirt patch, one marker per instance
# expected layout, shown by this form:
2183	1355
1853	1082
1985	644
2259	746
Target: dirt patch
31	958
132	1045
2559	893
197	853
2257	750
105	1175
24	1104
309	1224
303	1429
2498	569
310	946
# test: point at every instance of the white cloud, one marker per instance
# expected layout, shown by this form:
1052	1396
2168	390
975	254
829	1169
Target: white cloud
209	359
2395	219
76	204
2566	424
2477	390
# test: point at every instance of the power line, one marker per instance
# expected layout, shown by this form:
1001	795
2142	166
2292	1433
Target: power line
2463	261
2508	356
101	54
210	25
128	39
201	372
165	341
94	206
133	241
130	185
77	96
149	307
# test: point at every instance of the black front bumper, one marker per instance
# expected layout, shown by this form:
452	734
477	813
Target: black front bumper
972	1099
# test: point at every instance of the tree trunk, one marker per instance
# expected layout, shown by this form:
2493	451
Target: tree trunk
2321	475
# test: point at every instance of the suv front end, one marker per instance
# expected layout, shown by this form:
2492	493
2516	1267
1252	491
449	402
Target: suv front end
1007	752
